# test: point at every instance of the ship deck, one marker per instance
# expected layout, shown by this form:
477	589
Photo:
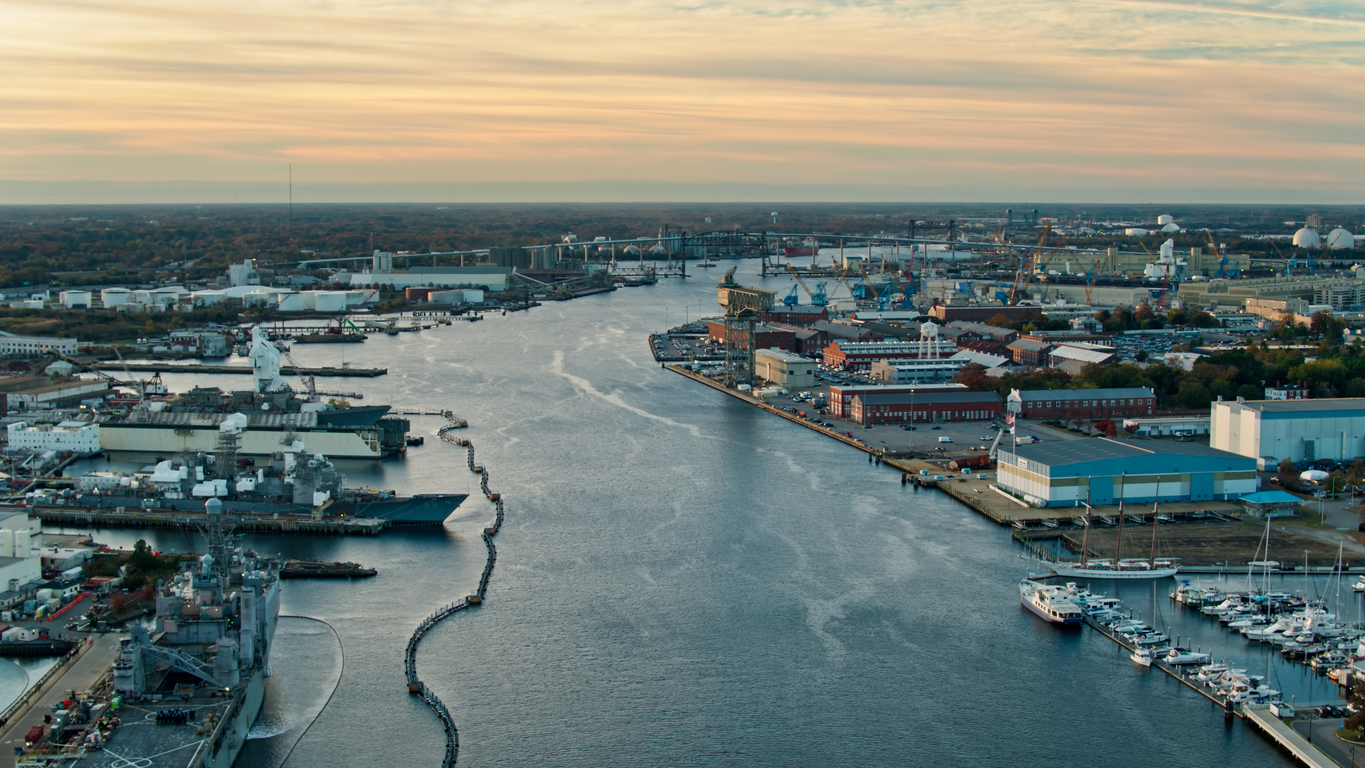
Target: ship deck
139	740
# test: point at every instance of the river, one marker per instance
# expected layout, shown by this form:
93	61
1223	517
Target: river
685	580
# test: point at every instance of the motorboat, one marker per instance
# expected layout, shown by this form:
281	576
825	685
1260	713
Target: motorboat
1141	656
1210	671
1050	602
1179	658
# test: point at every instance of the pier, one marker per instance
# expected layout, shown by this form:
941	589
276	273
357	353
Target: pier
183	520
288	370
415	685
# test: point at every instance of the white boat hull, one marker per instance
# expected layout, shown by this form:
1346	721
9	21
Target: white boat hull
1074	571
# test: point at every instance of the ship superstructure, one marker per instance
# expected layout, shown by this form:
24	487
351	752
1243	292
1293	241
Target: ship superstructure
186	693
190	422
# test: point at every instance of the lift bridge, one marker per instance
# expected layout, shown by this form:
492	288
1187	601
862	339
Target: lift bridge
742	306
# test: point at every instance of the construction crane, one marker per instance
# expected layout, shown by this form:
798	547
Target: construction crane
1090	283
817	297
872	292
1288	265
1222	258
1026	268
136	385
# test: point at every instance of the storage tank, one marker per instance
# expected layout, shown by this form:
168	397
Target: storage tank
1340	239
258	298
208	298
112	297
291	301
1165	219
73	299
329	301
418	294
1307	238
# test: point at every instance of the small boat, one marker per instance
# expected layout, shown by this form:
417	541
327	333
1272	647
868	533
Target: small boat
1359	586
1142	656
1178	657
1050	602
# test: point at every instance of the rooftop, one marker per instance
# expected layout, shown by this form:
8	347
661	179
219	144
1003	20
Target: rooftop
1302	406
1105	448
929	397
1082	394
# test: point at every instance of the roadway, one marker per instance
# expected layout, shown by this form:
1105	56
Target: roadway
80	675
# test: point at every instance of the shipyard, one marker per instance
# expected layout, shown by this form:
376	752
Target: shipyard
1096	414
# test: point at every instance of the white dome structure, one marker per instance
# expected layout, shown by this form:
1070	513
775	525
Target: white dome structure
1170	227
1307	238
1165	219
1340	239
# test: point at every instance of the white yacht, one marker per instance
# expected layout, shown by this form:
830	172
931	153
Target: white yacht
1179	658
1052	603
1142	656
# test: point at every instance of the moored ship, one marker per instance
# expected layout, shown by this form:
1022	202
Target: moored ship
190	422
185	694
294	481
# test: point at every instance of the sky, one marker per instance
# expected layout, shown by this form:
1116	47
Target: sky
1241	101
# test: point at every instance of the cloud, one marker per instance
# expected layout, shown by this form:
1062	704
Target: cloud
1046	92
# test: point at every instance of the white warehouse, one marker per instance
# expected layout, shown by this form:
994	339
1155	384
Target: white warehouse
1299	430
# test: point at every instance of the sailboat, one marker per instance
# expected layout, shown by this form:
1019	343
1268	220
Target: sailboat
1118	568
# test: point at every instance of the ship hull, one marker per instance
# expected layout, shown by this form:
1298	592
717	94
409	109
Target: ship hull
169	440
1045	616
1072	571
422	509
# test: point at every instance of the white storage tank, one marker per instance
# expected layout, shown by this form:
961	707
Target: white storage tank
258	298
208	298
291	301
73	299
329	301
112	297
1340	239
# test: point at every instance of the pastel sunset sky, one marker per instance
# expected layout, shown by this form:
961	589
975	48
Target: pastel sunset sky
474	100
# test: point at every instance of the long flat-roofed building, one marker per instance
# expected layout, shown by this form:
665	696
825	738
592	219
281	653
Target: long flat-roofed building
1270	431
1098	470
924	407
841	395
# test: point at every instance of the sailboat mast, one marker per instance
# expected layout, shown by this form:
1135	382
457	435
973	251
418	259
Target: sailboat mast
1118	540
1151	559
1085	540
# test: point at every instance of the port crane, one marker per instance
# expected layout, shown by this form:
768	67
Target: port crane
1090	283
817	297
1222	257
143	387
1026	268
791	299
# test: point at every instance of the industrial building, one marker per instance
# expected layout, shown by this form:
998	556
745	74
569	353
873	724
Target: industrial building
765	336
920	370
860	355
1170	426
79	437
11	345
1270	431
924	407
841	396
784	368
1100	470
1115	403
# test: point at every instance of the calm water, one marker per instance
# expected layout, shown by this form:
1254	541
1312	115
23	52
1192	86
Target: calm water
684	580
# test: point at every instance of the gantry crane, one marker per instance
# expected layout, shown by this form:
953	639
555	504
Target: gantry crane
817	297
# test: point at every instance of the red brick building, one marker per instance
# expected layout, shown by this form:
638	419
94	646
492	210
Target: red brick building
841	396
860	355
798	315
768	337
925	407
